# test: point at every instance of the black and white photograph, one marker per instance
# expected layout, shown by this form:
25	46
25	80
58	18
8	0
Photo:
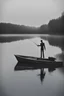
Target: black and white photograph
31	47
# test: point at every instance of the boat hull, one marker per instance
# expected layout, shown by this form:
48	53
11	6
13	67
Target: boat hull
37	62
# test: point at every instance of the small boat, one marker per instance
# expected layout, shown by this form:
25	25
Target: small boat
38	62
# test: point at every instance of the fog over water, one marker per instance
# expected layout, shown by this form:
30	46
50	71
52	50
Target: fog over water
29	82
26	81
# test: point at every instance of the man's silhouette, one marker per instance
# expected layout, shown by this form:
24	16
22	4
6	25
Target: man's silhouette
42	45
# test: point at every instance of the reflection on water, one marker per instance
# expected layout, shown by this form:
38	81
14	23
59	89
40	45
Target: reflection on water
42	75
19	67
27	81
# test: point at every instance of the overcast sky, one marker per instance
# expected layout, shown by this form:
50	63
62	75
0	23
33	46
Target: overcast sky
30	12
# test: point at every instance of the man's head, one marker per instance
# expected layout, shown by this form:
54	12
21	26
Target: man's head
41	41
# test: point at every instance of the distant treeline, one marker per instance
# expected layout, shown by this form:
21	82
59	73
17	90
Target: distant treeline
55	27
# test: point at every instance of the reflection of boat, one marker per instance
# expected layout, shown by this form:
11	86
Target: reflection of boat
38	62
20	66
51	69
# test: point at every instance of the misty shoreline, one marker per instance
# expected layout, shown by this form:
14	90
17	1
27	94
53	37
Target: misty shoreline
52	35
54	27
53	40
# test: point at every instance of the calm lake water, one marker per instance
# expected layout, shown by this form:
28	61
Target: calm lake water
30	82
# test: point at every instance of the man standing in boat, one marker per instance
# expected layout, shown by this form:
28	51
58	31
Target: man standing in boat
42	45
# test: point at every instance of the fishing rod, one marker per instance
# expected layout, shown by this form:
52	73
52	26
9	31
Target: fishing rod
37	45
34	43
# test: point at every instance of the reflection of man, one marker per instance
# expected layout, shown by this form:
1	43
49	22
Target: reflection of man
42	75
42	45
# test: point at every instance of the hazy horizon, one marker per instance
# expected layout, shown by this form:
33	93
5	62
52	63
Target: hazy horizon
30	12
